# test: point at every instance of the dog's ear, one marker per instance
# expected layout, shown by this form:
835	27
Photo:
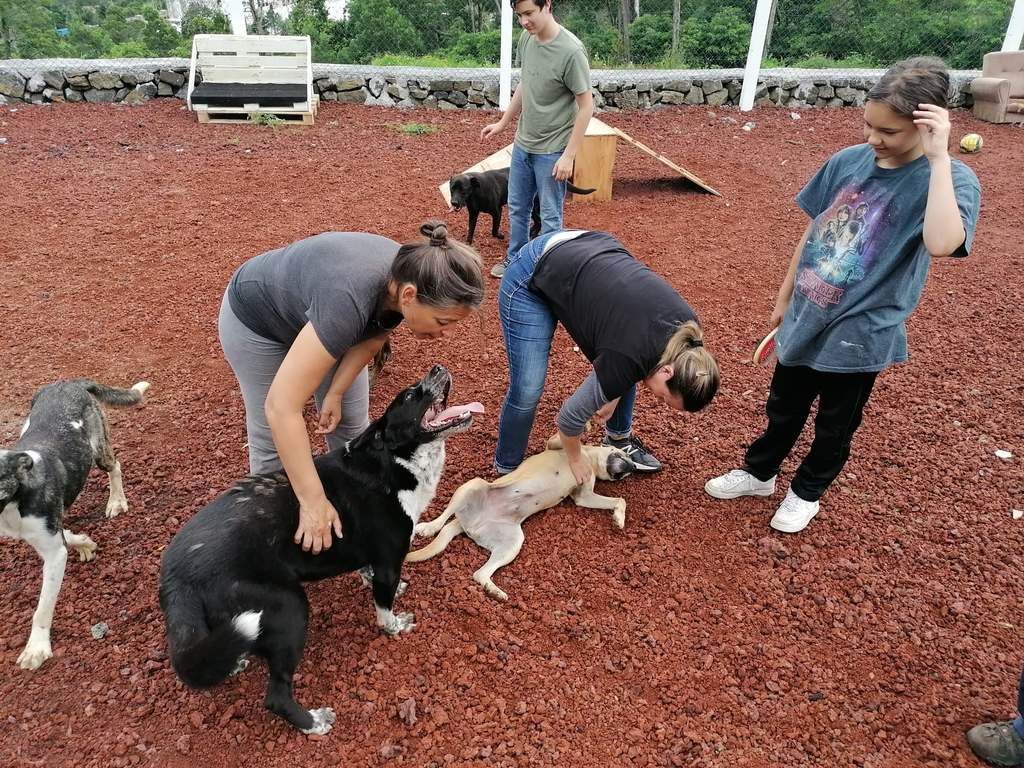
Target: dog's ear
474	182
23	464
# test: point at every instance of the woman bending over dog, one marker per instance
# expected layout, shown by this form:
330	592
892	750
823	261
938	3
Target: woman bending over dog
628	321
304	320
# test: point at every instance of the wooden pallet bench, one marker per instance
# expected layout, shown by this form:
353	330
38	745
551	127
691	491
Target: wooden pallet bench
244	75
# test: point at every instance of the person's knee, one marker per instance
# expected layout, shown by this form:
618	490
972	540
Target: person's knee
524	398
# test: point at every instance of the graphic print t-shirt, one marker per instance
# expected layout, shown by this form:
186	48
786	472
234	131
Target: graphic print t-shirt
864	265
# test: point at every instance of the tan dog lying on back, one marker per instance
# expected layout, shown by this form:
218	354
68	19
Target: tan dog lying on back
492	514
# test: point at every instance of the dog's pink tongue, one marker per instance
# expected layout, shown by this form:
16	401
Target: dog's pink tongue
458	410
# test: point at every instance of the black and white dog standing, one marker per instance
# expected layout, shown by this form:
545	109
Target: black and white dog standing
64	436
231	578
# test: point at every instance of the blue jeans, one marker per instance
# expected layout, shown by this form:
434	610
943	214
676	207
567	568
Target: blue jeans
528	325
530	176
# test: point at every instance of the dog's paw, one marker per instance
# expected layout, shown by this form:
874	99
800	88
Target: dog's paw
400	589
494	591
35	654
400	623
619	514
240	666
323	719
86	550
116	506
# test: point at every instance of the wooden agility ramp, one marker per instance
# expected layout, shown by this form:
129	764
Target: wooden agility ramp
594	163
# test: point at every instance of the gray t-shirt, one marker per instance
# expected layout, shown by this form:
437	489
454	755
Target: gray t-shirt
335	281
552	75
864	266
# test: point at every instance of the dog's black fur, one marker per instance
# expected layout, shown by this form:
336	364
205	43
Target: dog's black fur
64	437
231	578
487	192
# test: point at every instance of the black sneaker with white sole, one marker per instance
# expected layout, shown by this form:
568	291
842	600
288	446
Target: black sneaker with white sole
638	453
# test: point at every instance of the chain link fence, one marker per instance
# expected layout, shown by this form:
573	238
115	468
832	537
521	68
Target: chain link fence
874	33
409	36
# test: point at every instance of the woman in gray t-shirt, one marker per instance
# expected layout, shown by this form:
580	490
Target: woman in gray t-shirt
306	319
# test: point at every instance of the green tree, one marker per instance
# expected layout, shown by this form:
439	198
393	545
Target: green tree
376	27
651	38
199	19
159	37
88	42
719	41
478	47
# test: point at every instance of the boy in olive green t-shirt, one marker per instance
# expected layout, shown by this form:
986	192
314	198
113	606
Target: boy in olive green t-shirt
556	103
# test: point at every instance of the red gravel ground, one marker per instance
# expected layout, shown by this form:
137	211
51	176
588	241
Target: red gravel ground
694	637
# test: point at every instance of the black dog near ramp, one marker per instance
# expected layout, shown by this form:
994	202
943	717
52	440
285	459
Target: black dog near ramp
487	192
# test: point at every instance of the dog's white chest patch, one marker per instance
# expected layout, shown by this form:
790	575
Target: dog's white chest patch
425	464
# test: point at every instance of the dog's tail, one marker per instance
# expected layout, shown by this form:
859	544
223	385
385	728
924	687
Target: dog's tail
438	545
577	190
204	656
115	396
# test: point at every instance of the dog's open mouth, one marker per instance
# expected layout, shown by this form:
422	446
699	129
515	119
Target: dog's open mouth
439	417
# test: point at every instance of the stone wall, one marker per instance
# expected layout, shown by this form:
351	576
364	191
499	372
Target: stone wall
134	81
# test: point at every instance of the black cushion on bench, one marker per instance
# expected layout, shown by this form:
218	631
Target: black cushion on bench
239	94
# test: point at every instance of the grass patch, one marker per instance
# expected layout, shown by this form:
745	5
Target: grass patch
416	129
264	118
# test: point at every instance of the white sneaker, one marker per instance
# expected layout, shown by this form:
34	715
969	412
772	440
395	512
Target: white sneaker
738	483
794	513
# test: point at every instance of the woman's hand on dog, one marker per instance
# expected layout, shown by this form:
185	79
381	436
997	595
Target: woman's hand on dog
316	521
330	415
581	470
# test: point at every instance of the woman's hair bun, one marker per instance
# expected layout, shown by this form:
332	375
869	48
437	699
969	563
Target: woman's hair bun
436	231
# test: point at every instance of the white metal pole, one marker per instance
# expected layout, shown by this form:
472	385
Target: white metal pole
233	9
505	75
758	33
1015	29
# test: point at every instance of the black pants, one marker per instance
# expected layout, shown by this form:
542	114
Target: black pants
794	388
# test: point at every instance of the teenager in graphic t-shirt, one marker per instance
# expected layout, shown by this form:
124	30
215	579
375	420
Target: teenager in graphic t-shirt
879	212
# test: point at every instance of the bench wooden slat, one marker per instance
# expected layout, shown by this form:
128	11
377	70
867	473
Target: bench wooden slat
252	43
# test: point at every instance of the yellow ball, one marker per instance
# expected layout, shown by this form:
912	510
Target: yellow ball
971	143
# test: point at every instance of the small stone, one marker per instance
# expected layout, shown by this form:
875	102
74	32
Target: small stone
99	631
183	744
1017	514
407	712
748	127
172	78
1004	455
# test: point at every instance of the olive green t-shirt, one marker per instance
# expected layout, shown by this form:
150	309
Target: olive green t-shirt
553	74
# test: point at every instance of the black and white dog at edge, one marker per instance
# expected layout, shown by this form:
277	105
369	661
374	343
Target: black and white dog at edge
64	436
231	578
